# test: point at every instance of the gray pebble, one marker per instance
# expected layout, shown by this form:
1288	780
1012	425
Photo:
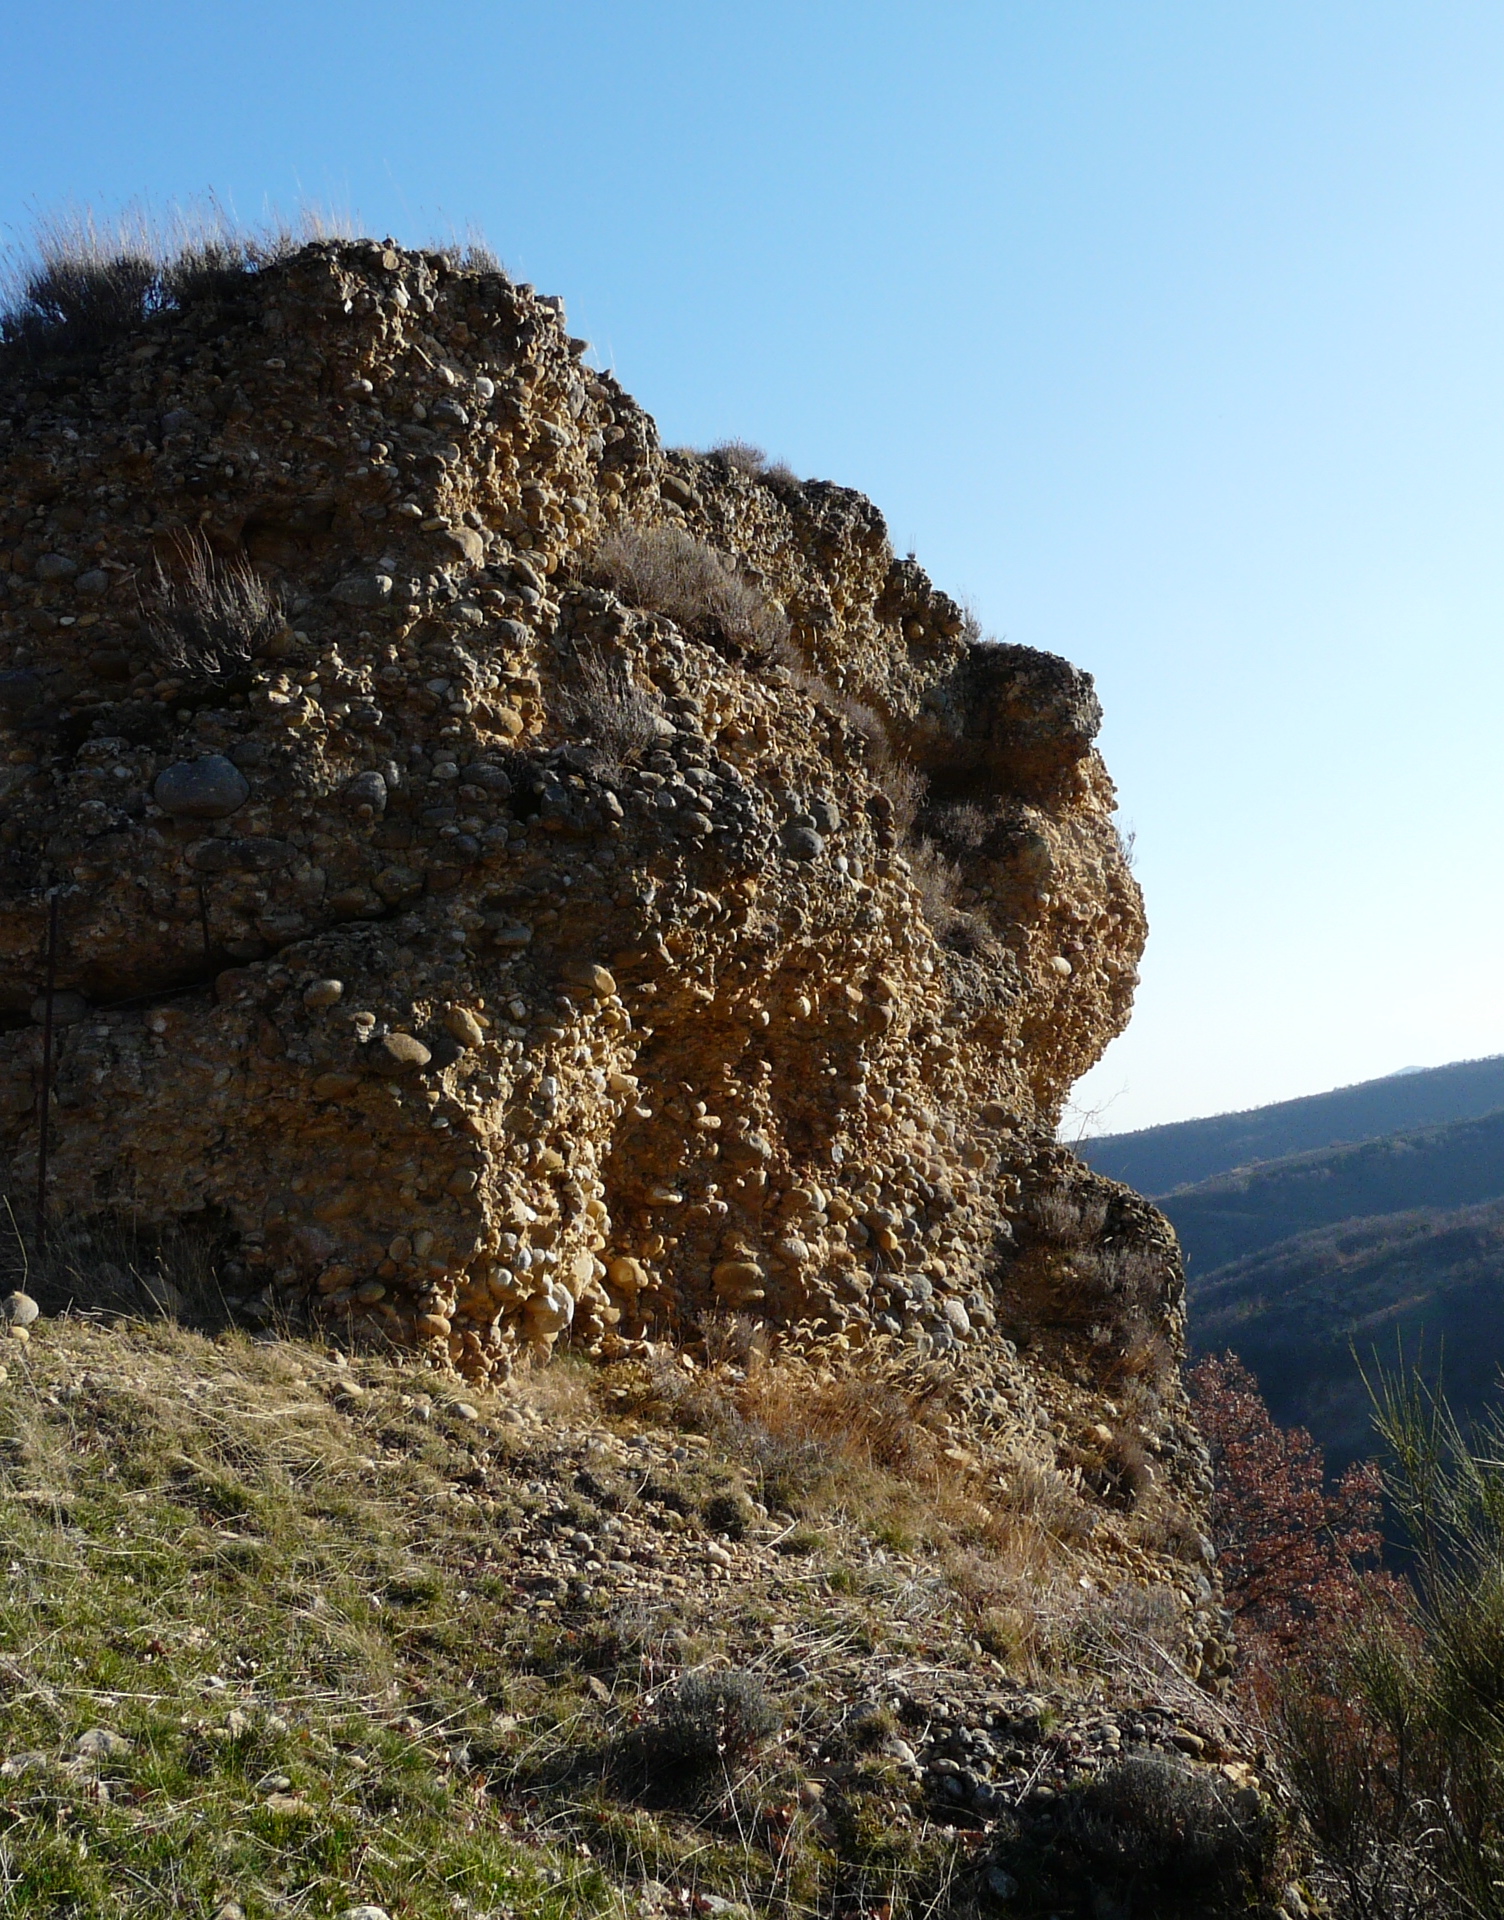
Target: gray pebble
803	843
20	1309
207	789
959	1319
363	590
102	1743
367	790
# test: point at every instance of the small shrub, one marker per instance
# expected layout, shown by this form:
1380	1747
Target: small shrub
905	787
1072	1219
668	571
1151	1823
937	880
742	457
608	706
212	617
963	827
868	1729
729	1513
472	255
707	1721
1004	1632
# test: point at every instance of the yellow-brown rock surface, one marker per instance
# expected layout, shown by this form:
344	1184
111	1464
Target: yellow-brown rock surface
464	1023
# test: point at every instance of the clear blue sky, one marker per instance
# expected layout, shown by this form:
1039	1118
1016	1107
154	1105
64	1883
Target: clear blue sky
1168	331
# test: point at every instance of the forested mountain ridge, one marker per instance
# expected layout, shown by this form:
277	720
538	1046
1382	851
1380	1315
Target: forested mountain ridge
1157	1160
1236	1214
1312	1314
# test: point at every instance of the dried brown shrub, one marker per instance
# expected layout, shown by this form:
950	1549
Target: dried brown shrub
937	880
211	618
905	787
618	718
741	456
668	571
963	827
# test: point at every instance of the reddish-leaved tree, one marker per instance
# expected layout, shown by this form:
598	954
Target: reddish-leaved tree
1297	1556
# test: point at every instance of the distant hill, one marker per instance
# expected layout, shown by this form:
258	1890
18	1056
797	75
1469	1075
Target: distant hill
1295	1311
1335	1224
1156	1160
1236	1214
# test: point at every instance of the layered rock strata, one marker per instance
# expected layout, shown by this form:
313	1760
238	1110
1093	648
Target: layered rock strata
489	956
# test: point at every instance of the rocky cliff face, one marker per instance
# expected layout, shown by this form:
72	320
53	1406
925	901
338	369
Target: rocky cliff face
511	941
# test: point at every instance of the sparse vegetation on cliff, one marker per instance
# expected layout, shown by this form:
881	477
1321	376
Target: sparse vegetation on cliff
668	570
88	279
210	617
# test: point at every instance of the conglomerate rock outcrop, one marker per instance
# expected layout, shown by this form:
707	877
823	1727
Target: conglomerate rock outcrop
492	959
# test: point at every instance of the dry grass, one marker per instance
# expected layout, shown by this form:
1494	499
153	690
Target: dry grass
620	720
212	618
866	1452
741	457
668	571
202	1568
115	1265
86	278
937	880
322	1682
472	254
291	1585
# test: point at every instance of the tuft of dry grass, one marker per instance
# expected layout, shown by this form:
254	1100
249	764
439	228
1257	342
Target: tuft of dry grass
116	1265
86	277
867	1450
212	618
741	457
937	880
668	571
619	719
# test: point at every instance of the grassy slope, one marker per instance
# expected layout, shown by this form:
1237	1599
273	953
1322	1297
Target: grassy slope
1156	1160
196	1568
1298	1312
1236	1214
294	1635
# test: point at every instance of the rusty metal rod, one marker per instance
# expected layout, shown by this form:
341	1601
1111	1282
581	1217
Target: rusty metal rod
48	995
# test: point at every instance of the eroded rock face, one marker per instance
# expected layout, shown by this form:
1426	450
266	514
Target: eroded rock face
475	1014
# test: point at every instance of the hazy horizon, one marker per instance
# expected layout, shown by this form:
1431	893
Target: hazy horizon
1166	335
1072	1128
